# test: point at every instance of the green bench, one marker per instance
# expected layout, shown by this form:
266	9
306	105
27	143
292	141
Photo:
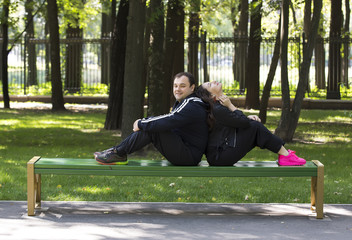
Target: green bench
69	166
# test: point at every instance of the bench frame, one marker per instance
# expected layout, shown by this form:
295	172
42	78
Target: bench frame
34	178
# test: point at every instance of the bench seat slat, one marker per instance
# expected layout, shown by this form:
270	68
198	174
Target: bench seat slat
164	168
173	173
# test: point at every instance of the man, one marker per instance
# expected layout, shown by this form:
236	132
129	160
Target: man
180	136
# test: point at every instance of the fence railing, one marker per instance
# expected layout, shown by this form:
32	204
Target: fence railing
85	65
221	65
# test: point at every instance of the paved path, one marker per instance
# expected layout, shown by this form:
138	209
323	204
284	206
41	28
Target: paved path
186	221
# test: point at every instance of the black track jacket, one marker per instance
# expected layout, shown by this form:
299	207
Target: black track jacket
224	130
188	119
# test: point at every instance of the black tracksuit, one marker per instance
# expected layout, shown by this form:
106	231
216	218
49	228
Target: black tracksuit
180	136
234	135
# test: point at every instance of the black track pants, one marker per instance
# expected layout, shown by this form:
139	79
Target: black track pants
169	145
246	139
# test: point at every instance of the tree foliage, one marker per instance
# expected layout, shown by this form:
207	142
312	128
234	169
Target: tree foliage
77	13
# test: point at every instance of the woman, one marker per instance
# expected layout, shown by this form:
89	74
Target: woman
233	134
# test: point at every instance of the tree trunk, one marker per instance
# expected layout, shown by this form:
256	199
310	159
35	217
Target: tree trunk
241	47
285	114
146	48
289	119
1	45
178	64
106	29
133	87
57	98
334	74
253	66
118	52
319	62
307	17
5	53
193	39
269	81
307	24
156	85
32	56
173	26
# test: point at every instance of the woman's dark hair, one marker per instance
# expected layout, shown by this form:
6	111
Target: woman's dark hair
205	95
190	77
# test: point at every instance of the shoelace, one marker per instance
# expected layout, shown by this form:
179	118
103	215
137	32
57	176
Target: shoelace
108	150
294	156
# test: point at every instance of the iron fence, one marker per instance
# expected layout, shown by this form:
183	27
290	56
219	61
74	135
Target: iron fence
221	65
85	65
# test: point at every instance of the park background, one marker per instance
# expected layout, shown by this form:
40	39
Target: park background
128	51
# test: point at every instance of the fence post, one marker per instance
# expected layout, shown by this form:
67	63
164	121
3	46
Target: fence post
25	63
203	51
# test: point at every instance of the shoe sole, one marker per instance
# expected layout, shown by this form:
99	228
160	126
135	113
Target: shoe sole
299	164
113	163
292	165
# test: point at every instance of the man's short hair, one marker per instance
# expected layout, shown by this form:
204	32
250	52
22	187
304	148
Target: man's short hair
190	77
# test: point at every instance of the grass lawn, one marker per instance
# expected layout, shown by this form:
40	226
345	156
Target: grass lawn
323	135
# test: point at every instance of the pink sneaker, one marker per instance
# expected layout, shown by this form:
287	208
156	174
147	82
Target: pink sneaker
291	159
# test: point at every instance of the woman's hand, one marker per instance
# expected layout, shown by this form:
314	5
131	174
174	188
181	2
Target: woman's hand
255	118
225	101
135	126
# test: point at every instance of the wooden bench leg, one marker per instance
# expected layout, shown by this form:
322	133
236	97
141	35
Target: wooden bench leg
33	187
317	191
313	190
38	192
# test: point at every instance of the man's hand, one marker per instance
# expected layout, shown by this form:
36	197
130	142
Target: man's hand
255	118
135	126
